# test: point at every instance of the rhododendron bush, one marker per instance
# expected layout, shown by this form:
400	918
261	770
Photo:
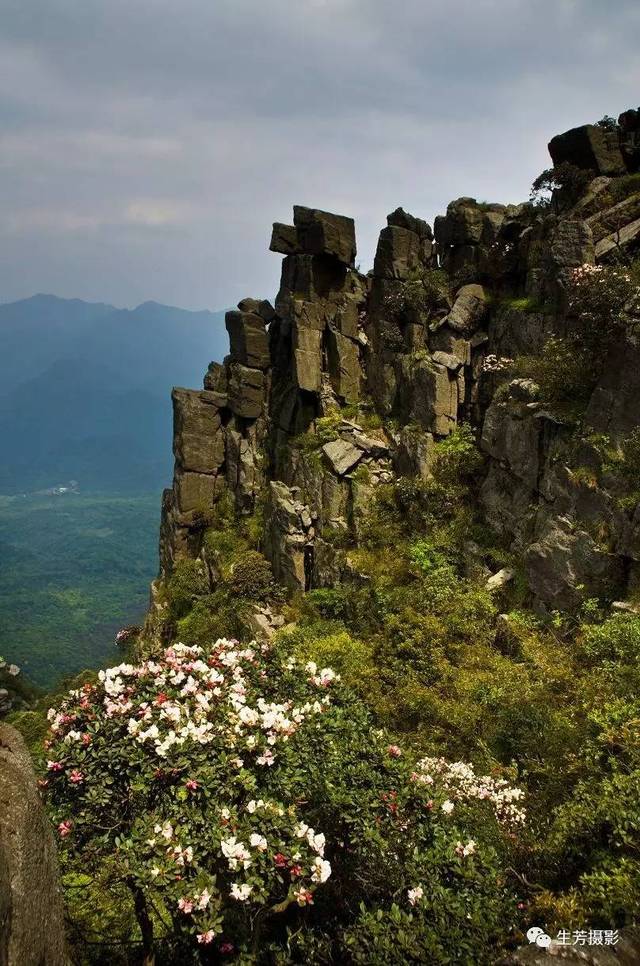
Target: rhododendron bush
245	801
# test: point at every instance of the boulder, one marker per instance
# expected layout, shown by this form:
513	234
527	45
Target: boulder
246	390
323	233
284	239
469	310
402	219
215	380
248	338
399	252
430	394
342	455
31	915
589	146
198	437
500	580
447	359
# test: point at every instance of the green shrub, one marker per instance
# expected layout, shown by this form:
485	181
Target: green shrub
250	576
187	582
270	809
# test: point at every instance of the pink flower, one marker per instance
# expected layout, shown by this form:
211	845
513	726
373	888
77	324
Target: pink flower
394	751
192	785
86	739
76	777
55	766
226	948
280	860
304	897
64	828
206	937
186	906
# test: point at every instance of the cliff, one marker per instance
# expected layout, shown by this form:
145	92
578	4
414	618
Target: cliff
348	380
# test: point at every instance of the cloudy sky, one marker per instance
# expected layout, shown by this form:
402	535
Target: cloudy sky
147	145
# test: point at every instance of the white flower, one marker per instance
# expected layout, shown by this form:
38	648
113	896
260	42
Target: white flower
447	807
258	842
415	894
204	900
241	893
320	870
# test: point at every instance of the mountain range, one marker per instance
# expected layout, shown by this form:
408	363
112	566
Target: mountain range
85	390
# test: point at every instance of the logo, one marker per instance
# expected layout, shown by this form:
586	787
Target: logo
539	937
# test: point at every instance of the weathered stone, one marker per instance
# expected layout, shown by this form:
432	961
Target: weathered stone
346	319
500	580
375	448
572	245
344	366
399	252
215	380
307	357
31	916
342	455
286	536
246	390
414	452
249	305
284	239
402	219
447	359
248	338
615	218
323	233
198	438
589	146
565	558
266	311
469	309
430	395
617	240
451	343
195	492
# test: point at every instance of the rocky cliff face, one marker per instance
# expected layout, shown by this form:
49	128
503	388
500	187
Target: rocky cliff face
348	380
31	920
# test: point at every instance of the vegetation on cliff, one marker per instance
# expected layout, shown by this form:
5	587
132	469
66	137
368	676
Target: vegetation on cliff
423	481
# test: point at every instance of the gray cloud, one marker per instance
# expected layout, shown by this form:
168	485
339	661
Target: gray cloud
146	147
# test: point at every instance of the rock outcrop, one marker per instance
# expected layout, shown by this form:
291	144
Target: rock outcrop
31	923
350	379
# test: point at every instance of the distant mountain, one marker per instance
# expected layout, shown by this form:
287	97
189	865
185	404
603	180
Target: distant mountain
84	390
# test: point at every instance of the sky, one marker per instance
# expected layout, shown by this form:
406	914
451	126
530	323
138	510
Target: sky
146	146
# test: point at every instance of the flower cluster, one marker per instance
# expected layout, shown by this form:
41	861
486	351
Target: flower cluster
229	781
217	710
603	299
458	783
493	363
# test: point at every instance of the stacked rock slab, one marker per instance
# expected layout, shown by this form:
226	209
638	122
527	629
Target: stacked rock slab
413	342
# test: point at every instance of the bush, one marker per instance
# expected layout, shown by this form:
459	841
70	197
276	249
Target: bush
187	582
250	576
241	798
425	293
561	185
